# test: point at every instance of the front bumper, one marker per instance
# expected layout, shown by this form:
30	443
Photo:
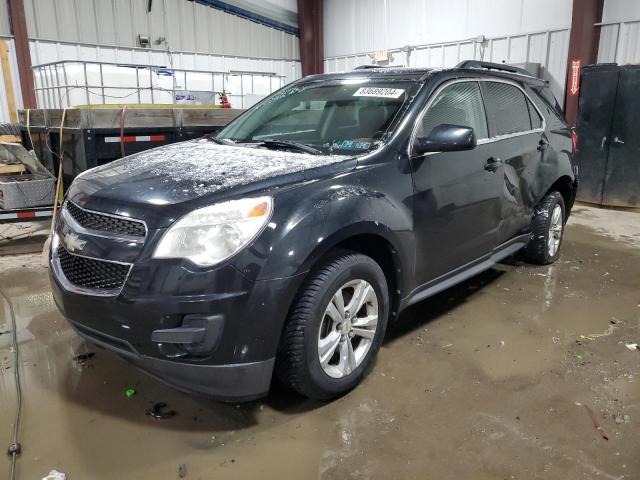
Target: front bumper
160	296
235	382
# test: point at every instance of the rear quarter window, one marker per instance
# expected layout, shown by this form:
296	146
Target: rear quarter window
549	106
507	108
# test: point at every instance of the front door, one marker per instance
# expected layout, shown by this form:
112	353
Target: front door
457	196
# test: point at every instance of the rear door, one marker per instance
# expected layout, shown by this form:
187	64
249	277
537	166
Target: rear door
457	196
519	141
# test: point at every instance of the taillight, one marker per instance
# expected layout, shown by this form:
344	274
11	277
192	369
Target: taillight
574	140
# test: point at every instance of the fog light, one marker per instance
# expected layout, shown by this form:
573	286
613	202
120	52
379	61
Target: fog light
197	335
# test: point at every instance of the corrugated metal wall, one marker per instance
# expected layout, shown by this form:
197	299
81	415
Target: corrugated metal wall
548	48
620	32
183	35
177	25
357	26
620	43
440	34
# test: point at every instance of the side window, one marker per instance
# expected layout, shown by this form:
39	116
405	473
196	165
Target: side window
547	103
458	104
536	120
507	108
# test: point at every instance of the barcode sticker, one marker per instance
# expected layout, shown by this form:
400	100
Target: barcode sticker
378	92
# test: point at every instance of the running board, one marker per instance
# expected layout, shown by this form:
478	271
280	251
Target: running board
467	271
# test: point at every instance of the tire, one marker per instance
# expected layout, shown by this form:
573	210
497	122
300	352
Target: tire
545	243
313	319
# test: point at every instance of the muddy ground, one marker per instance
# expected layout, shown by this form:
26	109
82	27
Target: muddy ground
488	380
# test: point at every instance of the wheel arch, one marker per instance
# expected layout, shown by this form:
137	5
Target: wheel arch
372	241
565	185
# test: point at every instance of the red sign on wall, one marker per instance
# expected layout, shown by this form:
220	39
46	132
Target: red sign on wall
574	78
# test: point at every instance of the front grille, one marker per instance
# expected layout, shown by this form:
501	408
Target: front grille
90	273
105	223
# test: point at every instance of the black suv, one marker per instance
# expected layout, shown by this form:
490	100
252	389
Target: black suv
286	242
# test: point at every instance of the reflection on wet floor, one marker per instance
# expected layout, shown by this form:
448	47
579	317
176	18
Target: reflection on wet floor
478	382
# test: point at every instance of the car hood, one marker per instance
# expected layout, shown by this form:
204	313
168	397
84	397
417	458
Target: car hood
162	184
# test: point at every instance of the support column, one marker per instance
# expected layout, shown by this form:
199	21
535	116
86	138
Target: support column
311	37
583	46
23	55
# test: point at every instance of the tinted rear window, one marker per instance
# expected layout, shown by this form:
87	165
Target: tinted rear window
507	108
546	102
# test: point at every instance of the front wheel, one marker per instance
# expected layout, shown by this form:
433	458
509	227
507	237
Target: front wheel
547	228
336	327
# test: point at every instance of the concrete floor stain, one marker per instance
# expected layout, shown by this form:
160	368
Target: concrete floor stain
480	381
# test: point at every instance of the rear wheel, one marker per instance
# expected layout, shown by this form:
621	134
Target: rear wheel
547	228
336	327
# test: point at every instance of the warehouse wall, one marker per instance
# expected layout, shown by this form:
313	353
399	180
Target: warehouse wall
184	26
620	32
183	34
356	26
441	33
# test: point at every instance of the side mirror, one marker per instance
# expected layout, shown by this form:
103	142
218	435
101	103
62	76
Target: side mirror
446	138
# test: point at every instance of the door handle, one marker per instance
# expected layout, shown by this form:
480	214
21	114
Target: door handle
493	163
604	140
542	144
617	140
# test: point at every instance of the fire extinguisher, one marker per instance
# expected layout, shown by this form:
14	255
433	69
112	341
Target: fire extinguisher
224	100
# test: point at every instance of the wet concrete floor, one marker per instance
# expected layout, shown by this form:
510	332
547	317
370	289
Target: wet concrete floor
487	380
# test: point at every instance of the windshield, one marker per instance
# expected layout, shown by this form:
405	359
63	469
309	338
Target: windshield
339	117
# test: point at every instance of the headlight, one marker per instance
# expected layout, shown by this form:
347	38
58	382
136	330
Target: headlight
210	235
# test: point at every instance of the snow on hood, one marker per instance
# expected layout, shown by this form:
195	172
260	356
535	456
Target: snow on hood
195	168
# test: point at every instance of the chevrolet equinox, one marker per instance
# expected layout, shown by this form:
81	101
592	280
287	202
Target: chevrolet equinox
286	242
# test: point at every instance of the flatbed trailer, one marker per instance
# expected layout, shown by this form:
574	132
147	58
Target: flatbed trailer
26	214
93	136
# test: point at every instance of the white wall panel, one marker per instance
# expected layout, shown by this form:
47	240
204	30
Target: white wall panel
179	25
517	49
621	10
620	43
499	50
15	81
360	26
550	49
440	33
5	26
631	44
68	28
104	13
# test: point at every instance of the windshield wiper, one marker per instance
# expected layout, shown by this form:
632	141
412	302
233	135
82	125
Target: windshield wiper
286	144
220	141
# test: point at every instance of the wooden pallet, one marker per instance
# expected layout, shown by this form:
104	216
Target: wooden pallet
11	168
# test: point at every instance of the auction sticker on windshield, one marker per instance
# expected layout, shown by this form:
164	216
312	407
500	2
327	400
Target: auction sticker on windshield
378	92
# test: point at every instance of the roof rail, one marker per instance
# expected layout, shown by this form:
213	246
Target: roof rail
503	67
367	67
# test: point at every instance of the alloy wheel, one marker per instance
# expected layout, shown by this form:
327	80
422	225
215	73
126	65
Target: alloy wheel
555	230
348	328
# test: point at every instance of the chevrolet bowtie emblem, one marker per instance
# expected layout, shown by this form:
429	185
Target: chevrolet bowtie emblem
73	242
